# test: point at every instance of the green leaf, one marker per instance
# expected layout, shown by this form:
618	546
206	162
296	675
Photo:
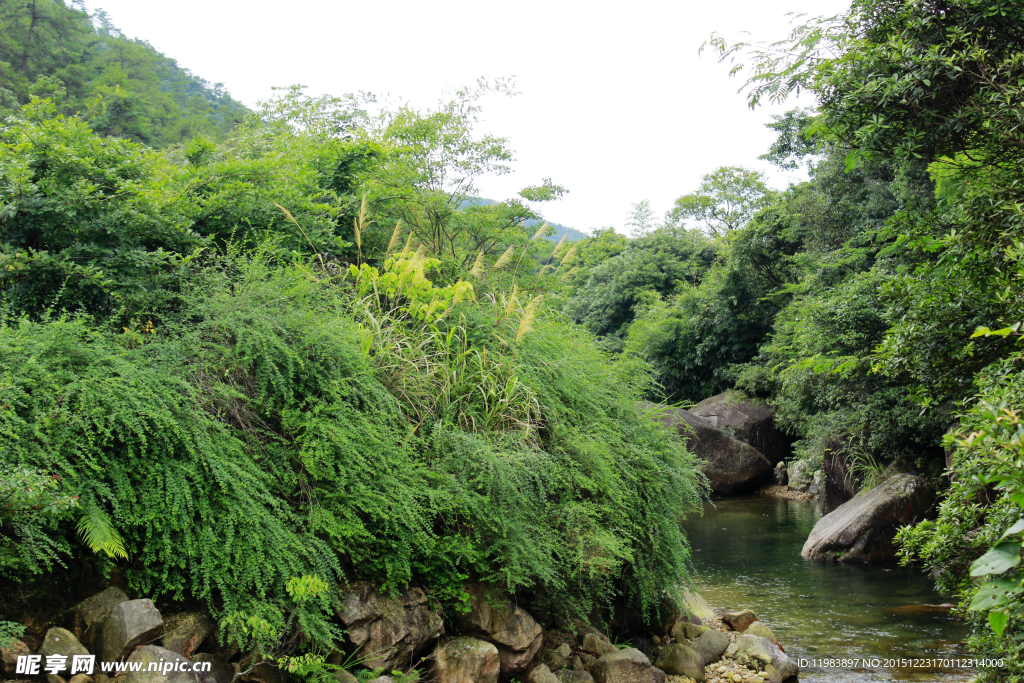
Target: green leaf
998	621
99	533
996	561
996	593
981	332
1016	528
1017	497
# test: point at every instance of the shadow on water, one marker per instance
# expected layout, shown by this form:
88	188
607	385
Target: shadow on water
746	553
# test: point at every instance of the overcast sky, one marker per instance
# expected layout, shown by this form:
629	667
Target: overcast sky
615	103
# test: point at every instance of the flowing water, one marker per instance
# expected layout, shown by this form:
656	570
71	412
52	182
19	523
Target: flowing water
746	552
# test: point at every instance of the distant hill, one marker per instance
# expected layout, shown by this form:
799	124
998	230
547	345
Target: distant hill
574	235
123	87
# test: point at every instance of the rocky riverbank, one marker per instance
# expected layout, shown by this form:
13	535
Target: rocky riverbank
494	640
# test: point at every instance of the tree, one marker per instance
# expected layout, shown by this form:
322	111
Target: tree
641	218
726	199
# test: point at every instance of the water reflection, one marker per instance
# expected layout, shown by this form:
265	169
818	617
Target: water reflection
747	555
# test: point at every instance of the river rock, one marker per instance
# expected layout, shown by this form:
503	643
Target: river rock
151	653
749	420
556	637
599	646
396	630
731	466
801	474
711	645
86	614
185	631
862	530
697	606
493	617
9	656
128	624
680	660
739	620
759	654
222	672
684	629
781	474
466	660
624	666
60	641
342	676
541	674
761	629
553	659
574	676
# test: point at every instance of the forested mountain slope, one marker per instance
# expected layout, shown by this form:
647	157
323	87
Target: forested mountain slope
122	87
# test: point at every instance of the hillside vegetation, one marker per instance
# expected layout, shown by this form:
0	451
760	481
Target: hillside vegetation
240	350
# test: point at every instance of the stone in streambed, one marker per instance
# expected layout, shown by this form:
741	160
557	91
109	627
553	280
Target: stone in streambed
738	620
759	654
711	645
683	629
679	660
760	629
749	420
624	666
731	466
862	529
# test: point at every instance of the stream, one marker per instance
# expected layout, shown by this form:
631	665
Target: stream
746	553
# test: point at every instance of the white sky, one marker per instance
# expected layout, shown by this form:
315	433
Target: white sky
616	104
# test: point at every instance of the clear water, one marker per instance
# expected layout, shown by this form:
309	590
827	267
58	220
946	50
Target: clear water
746	553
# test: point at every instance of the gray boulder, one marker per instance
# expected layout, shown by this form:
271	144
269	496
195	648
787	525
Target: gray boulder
495	618
60	641
128	625
9	656
711	645
697	606
684	629
862	529
730	465
599	646
222	672
624	666
395	630
466	660
185	631
342	676
167	661
749	420
781	474
680	660
760	654
86	614
541	674
761	629
574	676
801	474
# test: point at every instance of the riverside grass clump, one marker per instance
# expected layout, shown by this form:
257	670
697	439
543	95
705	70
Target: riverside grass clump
285	420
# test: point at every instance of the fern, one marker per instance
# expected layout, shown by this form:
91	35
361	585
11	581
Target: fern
99	534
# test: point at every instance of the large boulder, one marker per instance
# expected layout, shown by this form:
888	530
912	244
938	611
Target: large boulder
493	617
711	645
680	660
466	660
9	656
87	614
60	641
760	654
128	625
762	630
541	674
749	420
391	631
862	530
800	474
166	663
185	631
731	466
624	666
696	605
